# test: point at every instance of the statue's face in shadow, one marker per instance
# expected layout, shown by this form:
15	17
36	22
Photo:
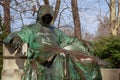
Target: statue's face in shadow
47	19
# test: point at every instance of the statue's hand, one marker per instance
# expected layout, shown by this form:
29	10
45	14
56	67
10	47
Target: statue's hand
16	42
13	45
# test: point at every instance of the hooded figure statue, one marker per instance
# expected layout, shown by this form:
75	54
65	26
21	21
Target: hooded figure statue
52	64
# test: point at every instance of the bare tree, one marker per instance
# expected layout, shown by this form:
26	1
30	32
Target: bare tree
103	27
7	15
118	18
25	10
113	19
76	19
0	24
57	7
32	7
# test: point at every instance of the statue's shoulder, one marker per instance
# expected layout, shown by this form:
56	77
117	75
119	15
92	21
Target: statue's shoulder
29	26
52	27
55	29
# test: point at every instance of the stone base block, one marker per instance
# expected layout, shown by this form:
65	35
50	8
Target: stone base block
110	74
11	74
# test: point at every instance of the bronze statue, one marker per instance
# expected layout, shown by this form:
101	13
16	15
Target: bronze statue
52	55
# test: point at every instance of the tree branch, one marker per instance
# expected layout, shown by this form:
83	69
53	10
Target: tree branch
60	17
108	3
1	4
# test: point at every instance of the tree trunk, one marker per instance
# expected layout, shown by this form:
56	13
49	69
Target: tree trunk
0	23
77	25
57	7
118	23
113	19
7	15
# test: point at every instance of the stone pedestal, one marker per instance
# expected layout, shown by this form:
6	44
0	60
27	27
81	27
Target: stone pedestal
12	68
12	74
110	74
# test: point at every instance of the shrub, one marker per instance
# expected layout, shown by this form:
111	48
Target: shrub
108	49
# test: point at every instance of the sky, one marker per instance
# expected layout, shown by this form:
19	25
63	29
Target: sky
89	17
89	11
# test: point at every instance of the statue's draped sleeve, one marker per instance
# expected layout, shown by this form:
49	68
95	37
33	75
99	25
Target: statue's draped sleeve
25	34
87	69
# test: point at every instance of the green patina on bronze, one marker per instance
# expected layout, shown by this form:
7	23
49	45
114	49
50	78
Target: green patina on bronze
46	65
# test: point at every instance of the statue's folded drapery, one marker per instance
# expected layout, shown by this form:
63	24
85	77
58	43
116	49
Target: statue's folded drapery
52	55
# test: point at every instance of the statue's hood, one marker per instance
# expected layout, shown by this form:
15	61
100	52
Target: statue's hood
43	11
